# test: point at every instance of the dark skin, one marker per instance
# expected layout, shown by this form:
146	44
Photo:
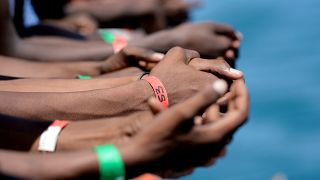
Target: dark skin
12	45
223	38
129	56
148	14
85	134
151	15
211	40
79	23
155	149
120	100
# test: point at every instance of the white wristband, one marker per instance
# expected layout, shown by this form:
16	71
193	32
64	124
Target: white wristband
49	138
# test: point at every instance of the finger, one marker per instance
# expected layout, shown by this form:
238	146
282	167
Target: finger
226	30
222	43
180	54
155	106
230	54
191	54
239	35
223	152
185	111
223	101
220	67
198	121
241	96
141	53
147	65
211	162
236	44
231	120
212	114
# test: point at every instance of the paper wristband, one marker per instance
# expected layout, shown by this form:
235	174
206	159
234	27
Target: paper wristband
118	42
158	89
83	77
111	166
49	138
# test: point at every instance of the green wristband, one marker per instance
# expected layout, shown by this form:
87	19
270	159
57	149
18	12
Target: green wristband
107	37
110	163
83	77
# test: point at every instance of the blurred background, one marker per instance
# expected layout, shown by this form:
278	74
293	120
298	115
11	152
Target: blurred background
280	56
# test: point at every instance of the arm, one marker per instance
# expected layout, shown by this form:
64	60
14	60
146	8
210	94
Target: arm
30	69
66	165
77	105
161	146
12	45
188	79
77	135
64	85
127	57
59	49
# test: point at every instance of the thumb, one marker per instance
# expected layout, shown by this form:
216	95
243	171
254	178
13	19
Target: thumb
185	111
155	106
143	54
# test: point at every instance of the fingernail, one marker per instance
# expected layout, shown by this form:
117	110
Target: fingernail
236	44
158	56
220	86
236	72
230	54
239	35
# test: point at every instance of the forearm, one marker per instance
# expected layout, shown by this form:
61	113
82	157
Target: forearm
88	133
68	165
63	50
63	85
164	40
64	165
77	105
29	69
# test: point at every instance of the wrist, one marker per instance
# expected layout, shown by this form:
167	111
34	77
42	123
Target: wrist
81	68
160	41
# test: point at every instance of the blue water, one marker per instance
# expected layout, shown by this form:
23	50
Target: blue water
280	56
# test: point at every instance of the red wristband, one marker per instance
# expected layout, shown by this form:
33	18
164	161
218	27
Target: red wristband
60	123
159	90
119	43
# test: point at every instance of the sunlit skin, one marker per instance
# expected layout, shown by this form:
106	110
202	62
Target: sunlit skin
151	145
191	75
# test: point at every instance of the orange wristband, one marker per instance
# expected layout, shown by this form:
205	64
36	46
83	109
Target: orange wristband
158	89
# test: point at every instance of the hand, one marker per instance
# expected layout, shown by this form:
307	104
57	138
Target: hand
132	56
179	72
211	40
174	142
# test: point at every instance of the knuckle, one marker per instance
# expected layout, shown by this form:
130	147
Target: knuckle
178	49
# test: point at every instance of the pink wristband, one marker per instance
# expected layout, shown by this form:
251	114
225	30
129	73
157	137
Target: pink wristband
158	89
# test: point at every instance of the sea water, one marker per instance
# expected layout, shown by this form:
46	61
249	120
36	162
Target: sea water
280	55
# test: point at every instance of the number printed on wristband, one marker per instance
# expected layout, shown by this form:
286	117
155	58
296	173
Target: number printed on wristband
159	90
160	94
